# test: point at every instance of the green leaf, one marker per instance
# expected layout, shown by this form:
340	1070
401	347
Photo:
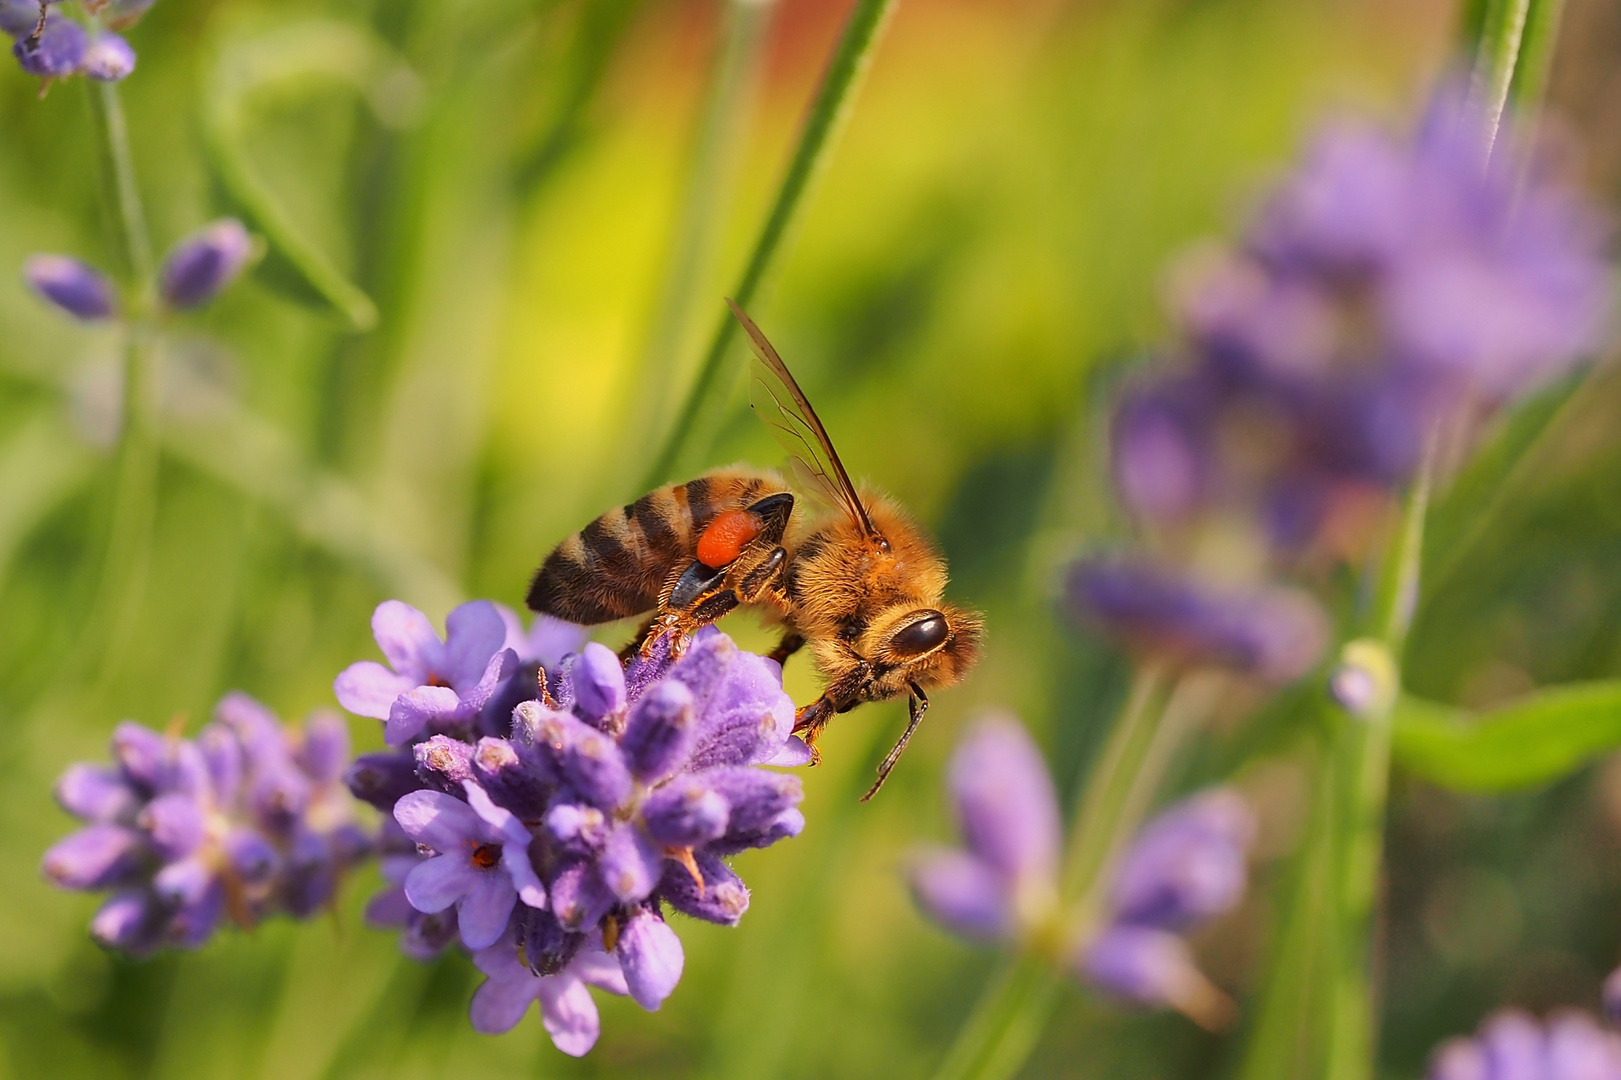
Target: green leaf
1535	740
270	69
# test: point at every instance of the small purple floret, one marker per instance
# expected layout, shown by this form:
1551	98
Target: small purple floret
109	58
74	286
202	265
59	51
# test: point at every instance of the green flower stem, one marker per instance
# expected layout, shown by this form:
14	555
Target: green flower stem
1007	1021
129	539
1360	778
730	100
1010	1016
827	113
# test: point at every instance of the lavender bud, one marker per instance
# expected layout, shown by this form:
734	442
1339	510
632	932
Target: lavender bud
382	779
580	829
109	58
203	264
444	762
502	772
1514	1044
58	53
587	760
1005	800
323	750
1578	1048
723	899
542	942
1460	1059
630	864
756	798
94	793
128	921
251	856
579	898
1188	864
686	812
93	858
222	754
659	733
141	752
174	824
72	285
1364	682
650	955
599	683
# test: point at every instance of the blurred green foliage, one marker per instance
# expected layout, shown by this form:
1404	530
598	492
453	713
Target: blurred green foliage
502	180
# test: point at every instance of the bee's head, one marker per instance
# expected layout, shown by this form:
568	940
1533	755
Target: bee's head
932	646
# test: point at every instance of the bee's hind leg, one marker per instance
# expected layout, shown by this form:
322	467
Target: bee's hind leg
791	643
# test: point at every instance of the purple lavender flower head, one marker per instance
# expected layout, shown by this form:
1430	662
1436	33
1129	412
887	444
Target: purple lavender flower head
552	846
1275	634
200	267
59	51
71	285
1512	1045
1002	885
109	58
248	820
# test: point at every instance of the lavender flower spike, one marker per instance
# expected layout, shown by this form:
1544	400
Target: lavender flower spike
109	58
249	813
202	265
73	286
1005	884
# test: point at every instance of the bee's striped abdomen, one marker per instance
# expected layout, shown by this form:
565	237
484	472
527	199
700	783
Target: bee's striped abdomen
615	566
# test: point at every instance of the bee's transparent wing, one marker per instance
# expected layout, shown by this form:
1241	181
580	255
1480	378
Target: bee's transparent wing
781	405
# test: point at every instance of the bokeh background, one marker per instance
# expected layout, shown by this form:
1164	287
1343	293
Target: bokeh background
970	277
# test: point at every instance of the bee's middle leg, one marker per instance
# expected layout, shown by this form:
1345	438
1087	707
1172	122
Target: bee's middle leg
791	642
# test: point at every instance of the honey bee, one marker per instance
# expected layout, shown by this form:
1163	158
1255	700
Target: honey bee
861	585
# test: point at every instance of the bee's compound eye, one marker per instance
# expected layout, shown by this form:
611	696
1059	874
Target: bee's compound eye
926	632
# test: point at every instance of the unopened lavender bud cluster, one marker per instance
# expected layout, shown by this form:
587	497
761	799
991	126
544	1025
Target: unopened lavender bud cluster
195	271
1187	866
248	820
549	807
1514	1045
52	45
1389	293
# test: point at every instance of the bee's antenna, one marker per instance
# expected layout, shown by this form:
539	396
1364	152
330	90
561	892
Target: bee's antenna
916	707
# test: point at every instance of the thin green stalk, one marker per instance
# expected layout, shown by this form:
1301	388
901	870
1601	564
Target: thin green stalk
1010	1016
129	540
729	102
1497	58
1361	777
827	113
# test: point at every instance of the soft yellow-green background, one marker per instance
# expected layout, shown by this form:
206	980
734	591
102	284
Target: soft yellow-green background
967	278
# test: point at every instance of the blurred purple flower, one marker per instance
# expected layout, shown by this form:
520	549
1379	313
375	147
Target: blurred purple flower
1513	1045
199	267
18	17
59	51
1189	864
249	820
74	286
109	58
1273	633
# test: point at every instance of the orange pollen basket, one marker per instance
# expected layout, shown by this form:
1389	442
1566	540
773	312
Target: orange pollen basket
727	536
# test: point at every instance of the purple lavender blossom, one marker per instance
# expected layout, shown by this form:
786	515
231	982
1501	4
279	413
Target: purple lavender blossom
1004	884
58	52
72	285
199	267
1187	866
1513	1045
1275	634
248	820
552	844
429	684
109	58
